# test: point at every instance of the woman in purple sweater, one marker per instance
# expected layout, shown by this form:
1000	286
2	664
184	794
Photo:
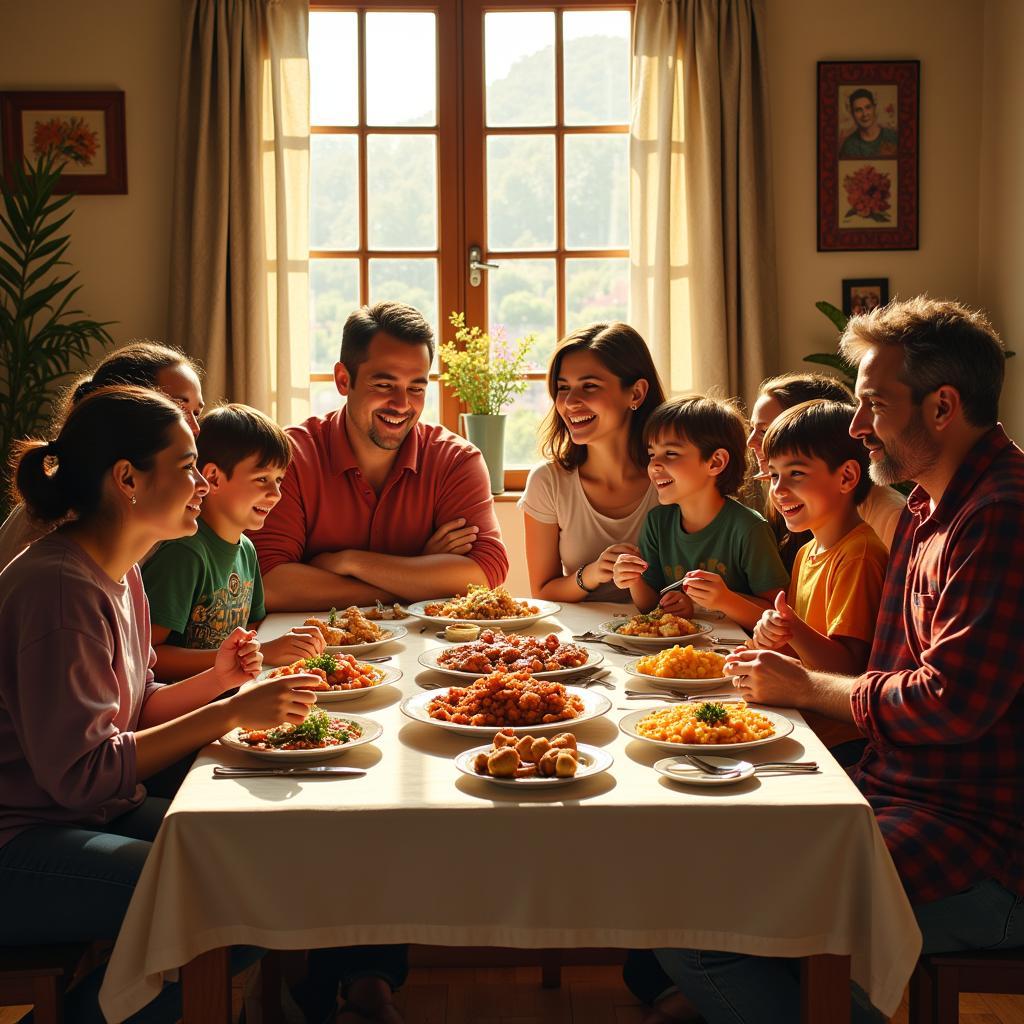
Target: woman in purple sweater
82	722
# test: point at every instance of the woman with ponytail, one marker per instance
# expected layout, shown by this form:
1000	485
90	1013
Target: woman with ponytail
146	364
82	723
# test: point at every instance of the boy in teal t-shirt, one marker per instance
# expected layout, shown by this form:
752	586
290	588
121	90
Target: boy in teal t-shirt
201	587
725	553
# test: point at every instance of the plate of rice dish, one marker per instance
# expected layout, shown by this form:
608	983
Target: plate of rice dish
696	726
656	629
686	669
484	606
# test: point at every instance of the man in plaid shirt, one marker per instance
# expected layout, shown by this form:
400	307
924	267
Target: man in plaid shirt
942	702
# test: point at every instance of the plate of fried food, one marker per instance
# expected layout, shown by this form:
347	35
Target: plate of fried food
533	762
512	700
498	651
696	726
486	607
685	669
319	736
338	676
656	629
355	630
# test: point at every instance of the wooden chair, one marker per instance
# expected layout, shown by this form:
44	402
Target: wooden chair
40	975
940	978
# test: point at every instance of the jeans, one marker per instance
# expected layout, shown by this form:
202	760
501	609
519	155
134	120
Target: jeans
66	883
731	988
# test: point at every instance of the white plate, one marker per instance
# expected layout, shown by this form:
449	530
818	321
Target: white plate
783	727
395	633
371	731
678	769
546	609
389	675
428	659
592	761
594	706
682	685
652	642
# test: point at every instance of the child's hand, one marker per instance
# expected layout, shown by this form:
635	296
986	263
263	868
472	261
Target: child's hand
604	566
775	627
298	642
706	588
239	658
627	569
452	538
678	603
271	702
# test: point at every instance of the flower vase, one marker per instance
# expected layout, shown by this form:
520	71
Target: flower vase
488	434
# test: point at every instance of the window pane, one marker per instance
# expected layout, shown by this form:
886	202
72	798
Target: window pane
521	299
519	55
323	397
595	57
413	282
432	406
597	191
523	426
521	191
333	294
401	69
401	191
334	192
596	290
333	68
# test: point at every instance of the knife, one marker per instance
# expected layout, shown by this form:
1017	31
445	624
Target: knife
312	771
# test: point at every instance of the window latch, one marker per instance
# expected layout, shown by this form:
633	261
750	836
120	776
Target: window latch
476	265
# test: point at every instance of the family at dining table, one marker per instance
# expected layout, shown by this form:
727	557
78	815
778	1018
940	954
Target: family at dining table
149	540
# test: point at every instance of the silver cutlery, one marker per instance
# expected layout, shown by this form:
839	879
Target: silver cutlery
678	695
671	587
600	677
713	769
376	661
294	771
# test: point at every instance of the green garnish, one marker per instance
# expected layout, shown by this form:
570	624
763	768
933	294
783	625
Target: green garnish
711	713
316	727
332	618
326	661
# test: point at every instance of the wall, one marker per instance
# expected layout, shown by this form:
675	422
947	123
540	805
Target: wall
120	244
947	37
1001	224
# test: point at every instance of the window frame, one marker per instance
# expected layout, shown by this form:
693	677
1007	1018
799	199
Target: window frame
462	134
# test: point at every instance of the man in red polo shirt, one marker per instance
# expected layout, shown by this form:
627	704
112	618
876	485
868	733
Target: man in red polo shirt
376	505
942	702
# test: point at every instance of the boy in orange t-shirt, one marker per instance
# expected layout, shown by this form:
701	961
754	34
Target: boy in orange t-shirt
819	474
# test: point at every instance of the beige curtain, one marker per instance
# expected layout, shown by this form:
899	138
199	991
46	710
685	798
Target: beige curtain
703	289
239	258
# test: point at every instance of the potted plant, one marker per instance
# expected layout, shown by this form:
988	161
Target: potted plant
41	339
486	373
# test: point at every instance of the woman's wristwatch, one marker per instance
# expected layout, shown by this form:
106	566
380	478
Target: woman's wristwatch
581	584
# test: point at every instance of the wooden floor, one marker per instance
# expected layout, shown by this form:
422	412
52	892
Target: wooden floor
589	995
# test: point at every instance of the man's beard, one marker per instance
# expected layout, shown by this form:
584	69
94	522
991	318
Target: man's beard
389	445
910	456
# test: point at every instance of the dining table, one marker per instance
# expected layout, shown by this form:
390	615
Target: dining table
413	851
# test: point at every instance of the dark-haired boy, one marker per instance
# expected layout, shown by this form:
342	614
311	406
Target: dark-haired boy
201	587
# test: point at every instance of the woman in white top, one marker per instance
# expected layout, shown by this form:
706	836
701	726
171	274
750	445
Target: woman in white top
881	509
587	504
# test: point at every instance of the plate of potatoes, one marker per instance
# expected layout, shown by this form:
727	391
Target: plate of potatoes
533	762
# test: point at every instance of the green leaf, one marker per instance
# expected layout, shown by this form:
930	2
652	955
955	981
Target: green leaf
836	315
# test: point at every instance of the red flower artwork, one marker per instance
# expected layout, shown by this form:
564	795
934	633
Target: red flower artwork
72	138
867	193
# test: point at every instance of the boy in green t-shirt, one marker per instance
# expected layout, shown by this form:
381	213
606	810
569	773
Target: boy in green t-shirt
201	587
723	552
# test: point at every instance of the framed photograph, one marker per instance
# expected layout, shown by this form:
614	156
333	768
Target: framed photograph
868	115
863	294
86	128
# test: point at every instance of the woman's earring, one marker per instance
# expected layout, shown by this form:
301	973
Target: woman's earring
633	408
133	499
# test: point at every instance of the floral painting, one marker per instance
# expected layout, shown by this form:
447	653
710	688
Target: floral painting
84	129
867	155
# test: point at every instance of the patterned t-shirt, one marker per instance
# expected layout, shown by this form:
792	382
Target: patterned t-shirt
202	587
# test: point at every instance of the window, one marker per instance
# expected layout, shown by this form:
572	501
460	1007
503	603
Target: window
515	142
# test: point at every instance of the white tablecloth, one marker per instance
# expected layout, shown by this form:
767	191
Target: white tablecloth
415	852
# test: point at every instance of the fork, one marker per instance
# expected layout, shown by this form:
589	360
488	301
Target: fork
675	696
714	769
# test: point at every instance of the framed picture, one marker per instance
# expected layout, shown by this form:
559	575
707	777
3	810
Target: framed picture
863	294
868	114
87	128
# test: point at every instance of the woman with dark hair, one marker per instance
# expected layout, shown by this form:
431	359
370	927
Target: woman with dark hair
883	506
145	364
82	722
585	506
